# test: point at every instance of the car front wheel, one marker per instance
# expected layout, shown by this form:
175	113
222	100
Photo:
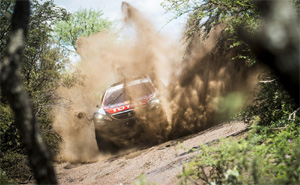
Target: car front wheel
104	145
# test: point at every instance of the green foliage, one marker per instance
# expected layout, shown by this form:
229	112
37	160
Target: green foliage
269	155
205	15
142	180
4	180
9	135
81	23
271	103
232	15
43	67
15	166
6	9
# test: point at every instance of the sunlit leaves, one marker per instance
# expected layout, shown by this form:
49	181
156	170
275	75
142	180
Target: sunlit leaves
81	23
204	15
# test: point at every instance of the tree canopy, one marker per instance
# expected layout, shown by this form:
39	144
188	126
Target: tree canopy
207	14
81	23
43	64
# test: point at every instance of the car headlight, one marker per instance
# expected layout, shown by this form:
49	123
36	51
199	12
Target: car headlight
100	116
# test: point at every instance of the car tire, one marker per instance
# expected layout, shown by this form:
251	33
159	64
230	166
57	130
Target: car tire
104	145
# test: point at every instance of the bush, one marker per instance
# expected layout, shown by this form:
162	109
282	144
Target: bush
271	102
12	152
9	135
4	180
15	166
270	157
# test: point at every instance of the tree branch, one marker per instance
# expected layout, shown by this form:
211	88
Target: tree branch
13	88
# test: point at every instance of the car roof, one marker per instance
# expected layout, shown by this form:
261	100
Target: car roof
126	80
130	82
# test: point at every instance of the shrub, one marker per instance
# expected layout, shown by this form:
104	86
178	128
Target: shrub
271	102
270	157
4	180
15	166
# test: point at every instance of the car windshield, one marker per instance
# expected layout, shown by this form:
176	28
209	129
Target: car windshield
132	92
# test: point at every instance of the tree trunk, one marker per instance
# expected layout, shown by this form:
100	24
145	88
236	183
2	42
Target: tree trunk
13	88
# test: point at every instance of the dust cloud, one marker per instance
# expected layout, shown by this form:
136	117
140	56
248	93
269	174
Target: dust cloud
211	87
196	87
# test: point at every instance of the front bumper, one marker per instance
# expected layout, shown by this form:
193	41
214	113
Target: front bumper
118	129
127	123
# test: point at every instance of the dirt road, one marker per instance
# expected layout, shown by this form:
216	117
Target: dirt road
160	164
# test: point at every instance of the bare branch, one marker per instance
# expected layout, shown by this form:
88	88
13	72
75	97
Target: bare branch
268	81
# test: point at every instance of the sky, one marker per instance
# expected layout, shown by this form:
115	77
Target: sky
112	10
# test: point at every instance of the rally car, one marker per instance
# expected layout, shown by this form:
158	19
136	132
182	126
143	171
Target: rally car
126	107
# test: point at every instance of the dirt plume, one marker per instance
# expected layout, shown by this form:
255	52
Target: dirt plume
210	87
106	59
192	90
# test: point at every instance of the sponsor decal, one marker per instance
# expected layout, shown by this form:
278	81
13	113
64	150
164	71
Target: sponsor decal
124	106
